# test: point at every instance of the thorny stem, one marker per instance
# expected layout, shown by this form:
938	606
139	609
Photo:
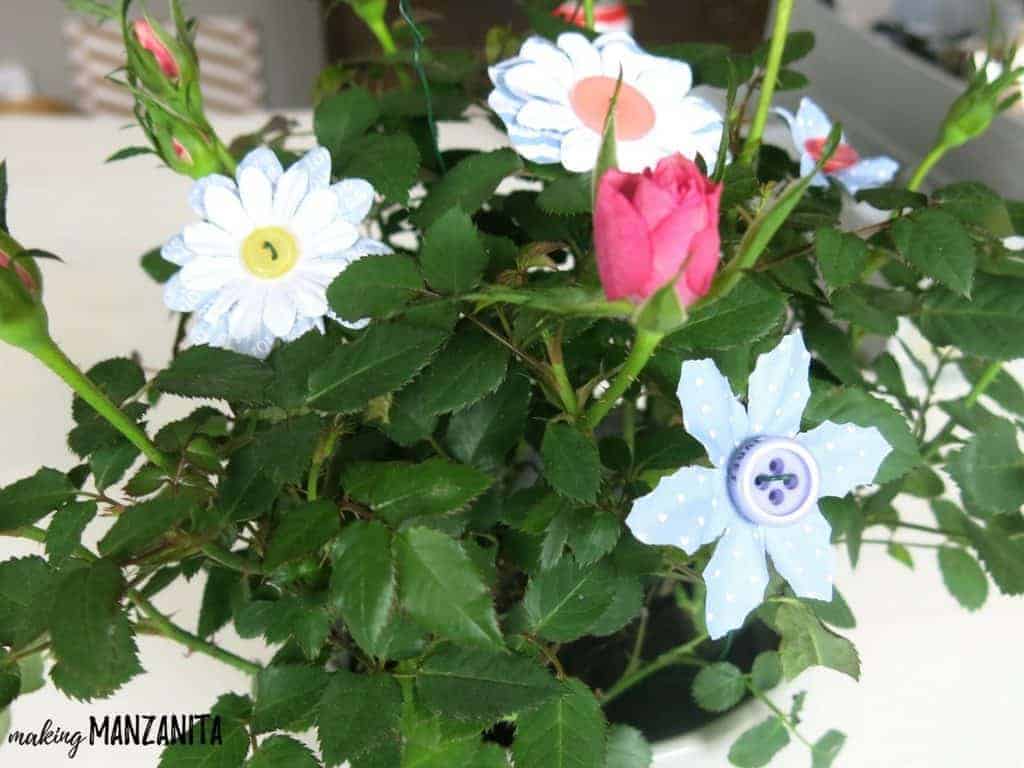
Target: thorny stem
987	378
931	159
682	654
553	343
780	714
644	345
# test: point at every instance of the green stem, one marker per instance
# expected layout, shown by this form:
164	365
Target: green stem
783	13
644	345
381	31
53	357
680	655
194	643
323	451
934	156
588	13
988	376
781	715
230	560
226	158
564	387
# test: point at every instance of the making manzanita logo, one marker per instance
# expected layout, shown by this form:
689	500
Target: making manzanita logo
126	731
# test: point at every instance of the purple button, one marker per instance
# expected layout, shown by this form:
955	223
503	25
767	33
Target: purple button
773	480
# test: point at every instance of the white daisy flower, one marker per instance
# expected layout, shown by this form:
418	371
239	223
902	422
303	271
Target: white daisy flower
554	99
810	127
257	267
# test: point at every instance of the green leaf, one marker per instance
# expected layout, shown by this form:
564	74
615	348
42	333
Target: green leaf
293	362
109	465
471	367
939	246
468	185
963	577
230	753
484	433
344	117
566	732
567	196
286	697
27	500
64	534
842	257
303	619
1004	389
374	286
223	587
719	686
990	325
360	717
90	635
746	314
572	463
861	306
154	265
766	672
246	492
900	554
757	746
855	406
627	748
1001	549
216	373
26	595
452	257
563	603
10	680
302	530
806	642
384	358
479	684
398	491
892	198
441	588
285	450
990	469
282	752
827	748
977	205
391	163
141	525
363	583
836	612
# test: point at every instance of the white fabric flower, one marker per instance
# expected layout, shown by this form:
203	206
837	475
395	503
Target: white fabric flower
554	100
810	127
257	267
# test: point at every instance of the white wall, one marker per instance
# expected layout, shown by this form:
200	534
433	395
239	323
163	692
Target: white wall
292	30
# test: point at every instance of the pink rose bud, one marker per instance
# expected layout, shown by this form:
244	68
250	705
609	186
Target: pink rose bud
657	226
23	274
149	40
181	151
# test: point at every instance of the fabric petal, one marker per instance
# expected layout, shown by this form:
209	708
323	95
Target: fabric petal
355	199
586	61
205	239
265	160
309	296
621	55
315	213
175	251
802	554
336	237
711	412
687	509
543	115
736	577
290	191
664	78
257	194
778	389
579	150
554	61
197	194
209	274
530	81
810	122
868	173
317	165
180	298
847	455
279	311
224	209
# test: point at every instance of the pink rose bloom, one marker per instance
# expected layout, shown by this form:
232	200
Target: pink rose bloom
656	226
149	40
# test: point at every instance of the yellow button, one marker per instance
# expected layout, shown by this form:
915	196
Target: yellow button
270	252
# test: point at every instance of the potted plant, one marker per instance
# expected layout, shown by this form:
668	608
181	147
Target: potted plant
533	473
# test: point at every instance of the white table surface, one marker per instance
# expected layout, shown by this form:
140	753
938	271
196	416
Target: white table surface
940	687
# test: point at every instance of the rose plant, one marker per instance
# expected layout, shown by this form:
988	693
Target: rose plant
437	459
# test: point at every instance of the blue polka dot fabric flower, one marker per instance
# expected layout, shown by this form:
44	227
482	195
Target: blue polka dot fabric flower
760	498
